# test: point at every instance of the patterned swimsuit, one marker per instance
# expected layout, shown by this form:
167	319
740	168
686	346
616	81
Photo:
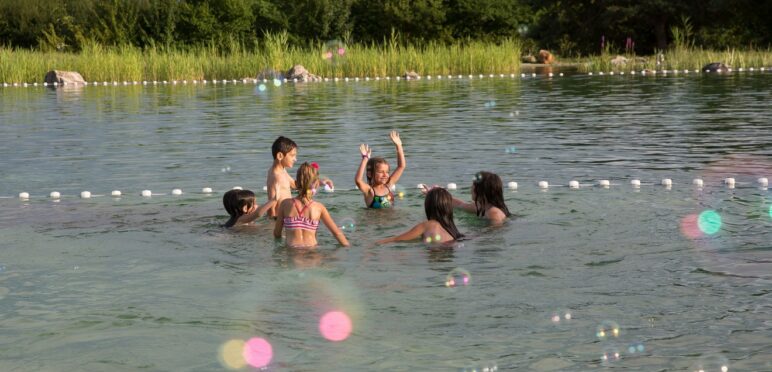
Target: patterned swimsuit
300	222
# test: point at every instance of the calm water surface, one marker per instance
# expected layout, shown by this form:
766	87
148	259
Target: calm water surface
155	283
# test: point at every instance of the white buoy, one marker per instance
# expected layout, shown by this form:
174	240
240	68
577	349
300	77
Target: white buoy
23	195
147	193
420	186
265	188
85	194
729	182
206	190
604	183
544	184
697	182
550	74
177	192
512	185
635	183
55	195
763	181
452	186
667	182
115	193
237	188
574	184
589	73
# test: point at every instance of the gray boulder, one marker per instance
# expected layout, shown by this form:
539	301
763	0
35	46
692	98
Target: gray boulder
411	75
64	78
619	61
715	67
528	59
301	74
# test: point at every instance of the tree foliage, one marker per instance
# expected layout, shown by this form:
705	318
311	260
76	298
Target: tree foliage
568	27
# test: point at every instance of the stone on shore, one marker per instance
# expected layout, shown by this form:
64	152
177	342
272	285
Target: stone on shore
411	75
715	67
545	57
619	61
301	74
528	59
64	78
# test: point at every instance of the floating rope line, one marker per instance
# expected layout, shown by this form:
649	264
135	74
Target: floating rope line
278	82
667	183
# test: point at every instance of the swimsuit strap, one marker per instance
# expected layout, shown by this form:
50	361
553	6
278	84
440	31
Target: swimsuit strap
300	211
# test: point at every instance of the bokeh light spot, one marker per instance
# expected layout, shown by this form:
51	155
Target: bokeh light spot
231	354
347	224
610	355
510	149
689	226
608	328
276	82
261	87
257	352
335	326
709	222
457	277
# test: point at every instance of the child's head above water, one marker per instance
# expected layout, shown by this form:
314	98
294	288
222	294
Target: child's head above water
238	203
488	191
377	171
439	207
306	180
284	150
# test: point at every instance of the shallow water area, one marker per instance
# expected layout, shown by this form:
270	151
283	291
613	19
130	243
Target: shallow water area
588	278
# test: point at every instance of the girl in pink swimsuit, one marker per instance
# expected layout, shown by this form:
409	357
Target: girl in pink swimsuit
301	215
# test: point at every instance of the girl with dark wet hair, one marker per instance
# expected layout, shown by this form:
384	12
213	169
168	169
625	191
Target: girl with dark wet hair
487	198
241	206
439	226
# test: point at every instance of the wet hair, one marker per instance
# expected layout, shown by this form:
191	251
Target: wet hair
234	202
439	207
282	145
306	179
488	190
370	170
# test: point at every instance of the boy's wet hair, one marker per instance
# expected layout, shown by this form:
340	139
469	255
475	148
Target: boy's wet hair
370	170
439	207
234	202
305	179
488	191
282	145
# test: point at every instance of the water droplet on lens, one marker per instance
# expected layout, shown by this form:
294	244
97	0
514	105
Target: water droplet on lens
457	277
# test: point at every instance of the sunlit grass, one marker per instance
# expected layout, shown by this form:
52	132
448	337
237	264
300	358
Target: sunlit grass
126	63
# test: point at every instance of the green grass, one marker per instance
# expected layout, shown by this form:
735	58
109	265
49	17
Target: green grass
680	58
127	63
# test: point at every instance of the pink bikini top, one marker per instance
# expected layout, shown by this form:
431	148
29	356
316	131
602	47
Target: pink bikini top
299	221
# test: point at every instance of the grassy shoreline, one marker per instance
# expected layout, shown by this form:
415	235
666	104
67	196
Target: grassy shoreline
127	63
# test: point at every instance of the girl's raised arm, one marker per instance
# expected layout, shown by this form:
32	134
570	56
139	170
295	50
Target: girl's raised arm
365	151
401	164
327	220
265	208
469	207
416	232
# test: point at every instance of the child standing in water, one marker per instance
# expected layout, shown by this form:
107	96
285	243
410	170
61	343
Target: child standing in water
439	226
300	216
241	206
377	190
279	183
487	198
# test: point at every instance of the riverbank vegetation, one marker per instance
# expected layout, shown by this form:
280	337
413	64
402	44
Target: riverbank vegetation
136	40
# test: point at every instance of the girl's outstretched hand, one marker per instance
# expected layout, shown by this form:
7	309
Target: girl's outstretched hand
394	135
365	150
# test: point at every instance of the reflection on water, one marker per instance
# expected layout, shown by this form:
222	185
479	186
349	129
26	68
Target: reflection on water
156	283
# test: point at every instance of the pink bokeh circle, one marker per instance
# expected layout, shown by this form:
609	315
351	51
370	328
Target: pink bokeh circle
258	352
335	326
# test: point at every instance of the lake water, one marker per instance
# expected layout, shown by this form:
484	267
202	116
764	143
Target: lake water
585	279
